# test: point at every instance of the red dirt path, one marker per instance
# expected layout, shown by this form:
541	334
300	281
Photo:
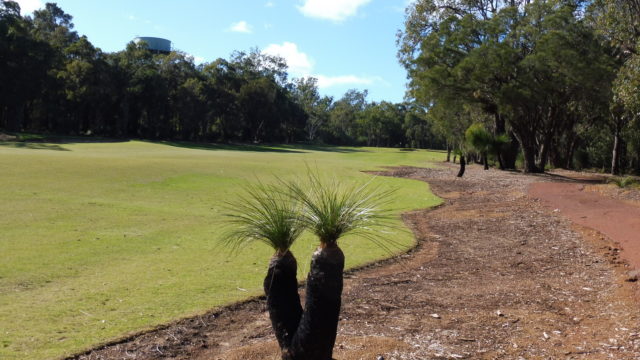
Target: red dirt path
618	220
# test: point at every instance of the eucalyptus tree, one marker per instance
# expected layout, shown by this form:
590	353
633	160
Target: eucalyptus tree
305	92
533	67
618	22
342	125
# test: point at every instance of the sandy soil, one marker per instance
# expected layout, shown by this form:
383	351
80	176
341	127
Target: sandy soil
496	275
618	220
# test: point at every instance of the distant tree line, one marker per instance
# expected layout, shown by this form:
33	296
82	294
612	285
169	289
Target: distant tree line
55	81
546	82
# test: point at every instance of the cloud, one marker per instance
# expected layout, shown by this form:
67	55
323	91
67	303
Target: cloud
335	10
269	4
300	64
198	60
329	81
241	27
28	6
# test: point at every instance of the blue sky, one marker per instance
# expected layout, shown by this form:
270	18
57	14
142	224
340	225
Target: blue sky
344	43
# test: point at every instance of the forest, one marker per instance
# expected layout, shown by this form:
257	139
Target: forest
511	83
55	81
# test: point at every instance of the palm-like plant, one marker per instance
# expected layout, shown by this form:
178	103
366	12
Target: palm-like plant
271	215
277	215
331	210
623	182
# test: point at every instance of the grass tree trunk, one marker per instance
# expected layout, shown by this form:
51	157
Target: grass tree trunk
283	301
316	334
485	160
463	164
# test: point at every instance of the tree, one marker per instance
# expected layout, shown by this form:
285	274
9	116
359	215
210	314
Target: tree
533	67
480	140
331	211
270	214
276	215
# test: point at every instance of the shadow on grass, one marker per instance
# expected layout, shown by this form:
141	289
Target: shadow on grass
32	145
53	142
324	148
296	149
230	147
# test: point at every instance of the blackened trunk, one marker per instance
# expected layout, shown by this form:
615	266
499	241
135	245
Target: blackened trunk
463	163
316	334
283	301
510	154
485	160
448	153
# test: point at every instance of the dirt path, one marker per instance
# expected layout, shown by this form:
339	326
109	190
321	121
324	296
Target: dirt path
496	275
618	220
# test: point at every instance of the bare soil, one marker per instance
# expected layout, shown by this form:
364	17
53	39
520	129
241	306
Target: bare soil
496	274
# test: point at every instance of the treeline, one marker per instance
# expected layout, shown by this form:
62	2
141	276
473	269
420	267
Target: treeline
55	81
548	82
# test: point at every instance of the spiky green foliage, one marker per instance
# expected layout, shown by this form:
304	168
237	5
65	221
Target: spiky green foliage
623	182
268	214
479	138
333	209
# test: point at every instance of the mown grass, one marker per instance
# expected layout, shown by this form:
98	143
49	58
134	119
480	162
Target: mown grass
102	239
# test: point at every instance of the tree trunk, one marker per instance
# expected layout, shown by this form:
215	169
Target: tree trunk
509	155
529	155
316	334
283	301
485	160
448	153
615	158
463	163
572	148
544	155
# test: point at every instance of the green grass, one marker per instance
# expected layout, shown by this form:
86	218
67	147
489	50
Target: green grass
103	239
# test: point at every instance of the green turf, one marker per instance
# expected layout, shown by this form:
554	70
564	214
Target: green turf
102	239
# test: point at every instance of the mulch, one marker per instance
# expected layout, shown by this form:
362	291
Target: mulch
496	274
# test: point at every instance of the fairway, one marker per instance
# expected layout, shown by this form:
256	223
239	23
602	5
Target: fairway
103	239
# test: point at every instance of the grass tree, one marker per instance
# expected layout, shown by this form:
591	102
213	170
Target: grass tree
277	215
271	215
331	211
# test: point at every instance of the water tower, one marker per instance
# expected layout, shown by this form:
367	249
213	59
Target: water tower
154	44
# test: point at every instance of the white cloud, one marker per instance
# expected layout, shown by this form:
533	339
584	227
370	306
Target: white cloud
329	81
241	27
336	10
28	6
300	64
269	4
198	60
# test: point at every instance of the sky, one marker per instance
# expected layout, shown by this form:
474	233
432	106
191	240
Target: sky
345	44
